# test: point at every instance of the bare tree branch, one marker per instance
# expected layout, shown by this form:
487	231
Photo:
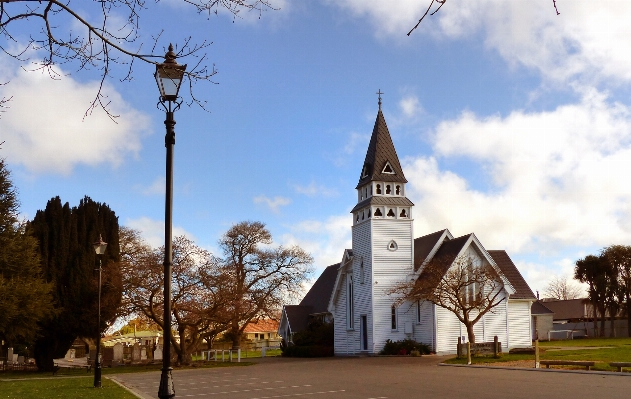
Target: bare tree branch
102	46
442	2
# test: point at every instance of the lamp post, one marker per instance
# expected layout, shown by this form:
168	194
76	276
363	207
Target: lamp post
99	248
169	77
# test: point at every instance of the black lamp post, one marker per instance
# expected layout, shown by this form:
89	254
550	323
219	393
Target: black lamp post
169	77
99	248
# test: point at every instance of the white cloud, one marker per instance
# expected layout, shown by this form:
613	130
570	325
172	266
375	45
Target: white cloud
273	204
153	230
586	41
410	106
555	179
45	131
324	240
158	187
313	190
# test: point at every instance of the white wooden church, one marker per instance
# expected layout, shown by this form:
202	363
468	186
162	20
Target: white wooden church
354	293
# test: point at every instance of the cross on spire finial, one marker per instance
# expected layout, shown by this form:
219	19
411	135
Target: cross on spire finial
379	93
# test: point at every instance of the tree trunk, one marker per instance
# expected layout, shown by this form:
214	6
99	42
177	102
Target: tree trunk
602	322
470	333
612	319
183	357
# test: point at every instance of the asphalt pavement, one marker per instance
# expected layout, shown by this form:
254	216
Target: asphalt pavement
377	378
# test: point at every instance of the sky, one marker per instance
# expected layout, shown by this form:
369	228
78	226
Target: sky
510	121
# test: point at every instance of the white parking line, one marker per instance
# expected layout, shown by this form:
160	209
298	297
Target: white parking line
298	394
244	390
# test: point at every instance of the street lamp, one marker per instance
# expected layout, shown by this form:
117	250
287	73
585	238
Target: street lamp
99	248
169	77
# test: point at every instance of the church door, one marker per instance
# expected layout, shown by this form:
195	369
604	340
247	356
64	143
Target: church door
364	333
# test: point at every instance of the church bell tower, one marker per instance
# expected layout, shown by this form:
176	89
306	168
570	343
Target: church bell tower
382	244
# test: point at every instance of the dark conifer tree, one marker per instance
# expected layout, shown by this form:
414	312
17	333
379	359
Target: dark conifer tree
66	236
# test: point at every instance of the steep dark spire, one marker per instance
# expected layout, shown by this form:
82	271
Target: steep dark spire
381	153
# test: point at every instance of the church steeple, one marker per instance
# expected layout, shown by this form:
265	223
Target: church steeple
382	162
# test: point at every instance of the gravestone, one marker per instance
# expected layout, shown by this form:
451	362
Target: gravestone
10	355
20	360
107	354
117	356
70	354
143	353
157	354
135	353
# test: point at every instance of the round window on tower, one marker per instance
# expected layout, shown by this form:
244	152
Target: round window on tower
392	246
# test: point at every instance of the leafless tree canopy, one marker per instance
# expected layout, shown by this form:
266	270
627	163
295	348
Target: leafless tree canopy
198	304
561	287
259	277
100	44
467	290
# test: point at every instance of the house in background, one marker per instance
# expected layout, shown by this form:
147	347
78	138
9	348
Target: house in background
542	318
266	329
385	253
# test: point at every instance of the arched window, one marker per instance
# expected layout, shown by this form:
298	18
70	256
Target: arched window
378	188
403	214
357	218
362	215
398	190
369	213
388	190
349	303
378	212
393	317
391	213
361	273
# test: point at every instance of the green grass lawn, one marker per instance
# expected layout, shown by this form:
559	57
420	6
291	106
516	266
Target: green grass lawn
79	372
619	351
67	388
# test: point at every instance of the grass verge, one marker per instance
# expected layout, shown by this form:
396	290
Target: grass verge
605	350
78	372
67	388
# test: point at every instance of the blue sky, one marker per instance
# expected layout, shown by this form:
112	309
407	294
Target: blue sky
510	122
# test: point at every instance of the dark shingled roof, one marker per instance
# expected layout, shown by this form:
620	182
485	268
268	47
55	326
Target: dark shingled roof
539	308
570	309
393	201
381	150
447	253
423	246
450	249
508	268
298	316
319	295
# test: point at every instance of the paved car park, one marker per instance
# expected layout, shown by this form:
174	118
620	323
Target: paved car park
376	378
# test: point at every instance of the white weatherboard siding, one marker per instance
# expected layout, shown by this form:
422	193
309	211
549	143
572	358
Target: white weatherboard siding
389	269
341	339
495	324
519	323
362	253
424	329
448	329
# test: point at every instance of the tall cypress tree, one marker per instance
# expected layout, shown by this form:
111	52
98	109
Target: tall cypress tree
66	236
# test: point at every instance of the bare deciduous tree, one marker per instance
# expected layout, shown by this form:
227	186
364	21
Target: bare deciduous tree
562	288
90	35
258	277
464	288
197	303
